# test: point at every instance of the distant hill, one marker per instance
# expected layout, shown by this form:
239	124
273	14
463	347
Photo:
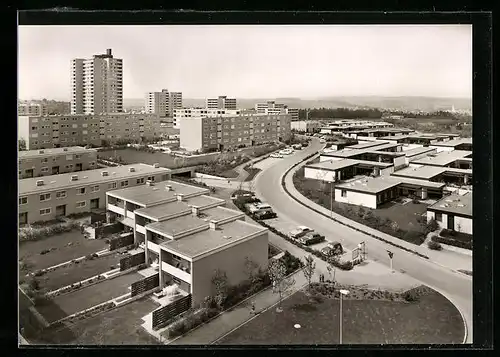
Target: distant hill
399	103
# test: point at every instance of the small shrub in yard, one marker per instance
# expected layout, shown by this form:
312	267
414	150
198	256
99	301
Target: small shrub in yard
410	296
90	257
434	245
45	251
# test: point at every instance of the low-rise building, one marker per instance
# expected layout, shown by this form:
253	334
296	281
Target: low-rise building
201	112
460	144
460	159
222	102
305	126
222	132
453	212
447	175
32	109
188	235
44	162
44	199
48	131
339	170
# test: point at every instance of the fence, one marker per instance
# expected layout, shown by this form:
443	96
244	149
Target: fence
132	261
144	285
164	314
121	241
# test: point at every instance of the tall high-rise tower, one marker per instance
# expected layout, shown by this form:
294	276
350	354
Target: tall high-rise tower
163	103
97	84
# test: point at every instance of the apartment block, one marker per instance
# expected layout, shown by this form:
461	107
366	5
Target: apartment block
84	129
305	126
272	108
97	84
32	109
44	162
43	199
201	112
294	113
187	235
222	102
220	133
163	103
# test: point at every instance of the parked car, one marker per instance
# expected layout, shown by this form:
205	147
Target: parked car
297	146
311	238
333	248
265	214
322	141
300	231
277	155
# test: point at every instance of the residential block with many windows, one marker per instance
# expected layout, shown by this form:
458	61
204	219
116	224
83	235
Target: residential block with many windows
163	103
187	235
201	112
36	163
273	108
81	129
220	133
32	109
222	102
43	199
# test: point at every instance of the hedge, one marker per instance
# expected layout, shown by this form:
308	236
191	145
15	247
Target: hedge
31	233
453	242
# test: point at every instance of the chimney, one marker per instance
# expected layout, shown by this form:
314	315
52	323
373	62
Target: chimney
195	211
40	151
65	149
104	173
131	169
149	183
39	182
180	197
74	177
108	52
213	225
156	165
168	188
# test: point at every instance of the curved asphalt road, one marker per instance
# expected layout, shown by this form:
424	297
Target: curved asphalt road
455	286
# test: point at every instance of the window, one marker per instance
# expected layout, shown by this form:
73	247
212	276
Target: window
45	160
111	185
60	194
69	157
140	180
94	188
45	211
44	197
438	217
81	204
23	200
164	177
343	193
176	280
124	183
80	191
92	163
44	169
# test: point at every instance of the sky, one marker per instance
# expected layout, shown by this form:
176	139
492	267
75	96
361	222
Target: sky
312	61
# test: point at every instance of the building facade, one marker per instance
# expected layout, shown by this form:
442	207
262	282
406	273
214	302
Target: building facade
272	108
32	109
163	103
200	112
219	133
37	163
44	199
222	102
305	126
84	129
97	84
453	212
188	235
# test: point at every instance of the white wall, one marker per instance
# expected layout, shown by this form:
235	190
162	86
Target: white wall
356	198
191	133
329	158
442	148
465	224
415	165
317	174
399	161
419	156
387	171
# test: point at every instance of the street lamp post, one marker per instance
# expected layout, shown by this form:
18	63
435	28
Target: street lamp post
342	292
362	249
331	199
391	254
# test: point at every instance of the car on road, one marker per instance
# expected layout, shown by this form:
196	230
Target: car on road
311	238
277	155
322	141
286	152
332	249
297	147
265	214
300	231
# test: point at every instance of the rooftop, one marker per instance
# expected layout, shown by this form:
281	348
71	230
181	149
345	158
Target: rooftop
164	210
146	195
180	225
371	185
351	151
203	200
219	214
433	136
454	142
443	158
418	151
89	177
455	204
422	172
333	165
207	240
54	151
366	145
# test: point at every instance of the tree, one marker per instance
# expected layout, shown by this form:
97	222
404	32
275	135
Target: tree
219	280
309	268
22	145
333	261
250	268
281	283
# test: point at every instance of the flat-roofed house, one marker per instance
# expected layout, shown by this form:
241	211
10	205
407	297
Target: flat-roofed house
187	235
368	192
453	212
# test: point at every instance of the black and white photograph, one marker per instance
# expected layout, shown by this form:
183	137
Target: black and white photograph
238	185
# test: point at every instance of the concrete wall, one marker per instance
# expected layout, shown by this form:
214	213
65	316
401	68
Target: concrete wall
399	161
329	158
442	148
231	261
34	205
23	129
411	146
419	156
387	171
317	174
356	198
465	224
191	133
66	162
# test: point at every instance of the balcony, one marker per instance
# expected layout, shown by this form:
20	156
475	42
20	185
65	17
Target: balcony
153	247
116	209
126	221
176	272
140	229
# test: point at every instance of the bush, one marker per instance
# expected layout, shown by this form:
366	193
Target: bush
434	245
453	242
410	296
431	226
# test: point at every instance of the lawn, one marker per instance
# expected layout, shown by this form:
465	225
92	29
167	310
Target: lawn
77	272
430	320
252	172
85	298
78	246
121	326
406	216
